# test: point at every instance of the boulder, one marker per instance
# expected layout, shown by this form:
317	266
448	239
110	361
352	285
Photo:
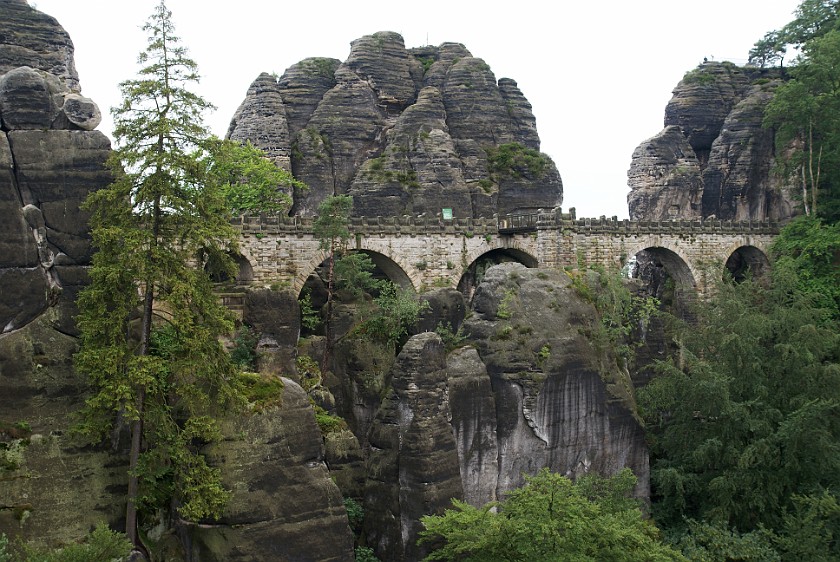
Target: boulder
81	112
29	99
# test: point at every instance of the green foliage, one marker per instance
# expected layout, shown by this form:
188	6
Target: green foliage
397	311
747	417
619	312
355	514
160	214
710	542
354	275
427	63
515	161
5	555
327	422
503	311
811	529
320	66
807	251
814	18
261	390
699	76
331	225
365	554
550	519
451	340
805	112
309	317
244	352
247	179
102	545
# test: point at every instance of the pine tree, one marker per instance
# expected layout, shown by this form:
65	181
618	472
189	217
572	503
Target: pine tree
149	322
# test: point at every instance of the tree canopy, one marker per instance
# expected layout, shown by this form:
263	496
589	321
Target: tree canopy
149	322
550	519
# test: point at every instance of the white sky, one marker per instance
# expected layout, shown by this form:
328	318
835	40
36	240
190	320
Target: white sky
598	73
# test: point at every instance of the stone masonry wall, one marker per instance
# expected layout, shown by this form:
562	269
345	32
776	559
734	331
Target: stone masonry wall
426	252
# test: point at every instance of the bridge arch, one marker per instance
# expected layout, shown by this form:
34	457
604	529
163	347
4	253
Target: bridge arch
473	273
747	260
244	274
654	258
387	266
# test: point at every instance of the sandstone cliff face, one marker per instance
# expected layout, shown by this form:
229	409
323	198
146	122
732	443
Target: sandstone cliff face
714	158
284	507
527	389
402	131
559	403
50	159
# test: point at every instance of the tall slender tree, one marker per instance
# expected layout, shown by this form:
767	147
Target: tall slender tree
149	321
333	232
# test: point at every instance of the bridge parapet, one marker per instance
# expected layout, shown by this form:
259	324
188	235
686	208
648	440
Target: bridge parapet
280	224
507	224
676	227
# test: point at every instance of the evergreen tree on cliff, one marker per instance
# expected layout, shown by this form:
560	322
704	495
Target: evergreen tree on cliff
149	321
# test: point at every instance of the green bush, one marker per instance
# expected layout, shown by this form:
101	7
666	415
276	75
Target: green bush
102	545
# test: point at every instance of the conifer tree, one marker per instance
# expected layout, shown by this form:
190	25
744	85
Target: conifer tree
149	322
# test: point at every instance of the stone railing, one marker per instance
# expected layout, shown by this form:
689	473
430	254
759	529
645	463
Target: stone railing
506	224
405	225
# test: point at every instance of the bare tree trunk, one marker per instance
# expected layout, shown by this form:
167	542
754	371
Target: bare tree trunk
805	192
327	358
137	425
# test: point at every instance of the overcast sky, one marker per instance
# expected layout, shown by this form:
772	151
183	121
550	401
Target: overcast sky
597	73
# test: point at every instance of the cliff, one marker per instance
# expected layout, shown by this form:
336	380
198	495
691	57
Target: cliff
404	131
713	158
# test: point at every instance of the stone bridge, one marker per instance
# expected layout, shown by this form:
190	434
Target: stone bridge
426	252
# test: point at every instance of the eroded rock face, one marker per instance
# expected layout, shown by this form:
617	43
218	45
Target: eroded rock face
52	490
284	507
55	491
739	182
261	119
405	132
558	402
413	465
32	38
666	178
723	166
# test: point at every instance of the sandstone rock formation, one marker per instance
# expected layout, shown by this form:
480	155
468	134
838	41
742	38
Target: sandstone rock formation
559	402
526	389
413	465
404	131
50	488
284	506
714	158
